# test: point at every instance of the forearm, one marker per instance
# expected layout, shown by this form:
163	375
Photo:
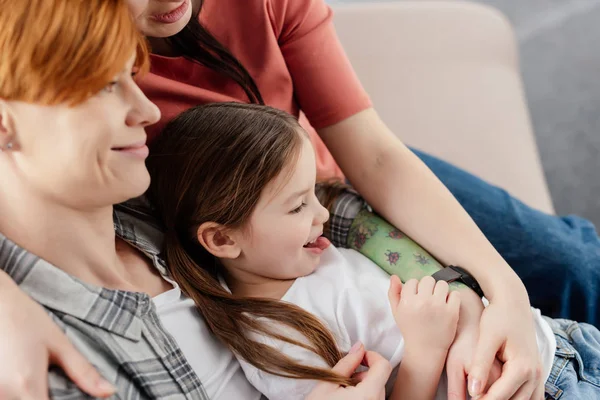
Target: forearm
418	375
423	208
391	249
405	192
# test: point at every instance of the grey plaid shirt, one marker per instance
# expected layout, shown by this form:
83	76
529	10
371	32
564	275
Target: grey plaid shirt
119	332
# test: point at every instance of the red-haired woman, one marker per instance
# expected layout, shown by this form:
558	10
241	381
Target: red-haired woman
72	121
285	53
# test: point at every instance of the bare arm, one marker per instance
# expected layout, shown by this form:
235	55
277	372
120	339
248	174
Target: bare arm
404	191
418	376
427	315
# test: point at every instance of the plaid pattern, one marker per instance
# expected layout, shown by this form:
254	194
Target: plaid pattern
117	331
344	210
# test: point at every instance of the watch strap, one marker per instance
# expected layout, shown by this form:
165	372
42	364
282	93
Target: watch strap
453	273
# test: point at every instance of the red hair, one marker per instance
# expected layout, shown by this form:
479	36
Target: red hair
65	51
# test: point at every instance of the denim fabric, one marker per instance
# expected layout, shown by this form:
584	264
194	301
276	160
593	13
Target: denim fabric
558	258
575	374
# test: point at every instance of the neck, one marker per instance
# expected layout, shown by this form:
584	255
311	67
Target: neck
246	284
80	242
162	47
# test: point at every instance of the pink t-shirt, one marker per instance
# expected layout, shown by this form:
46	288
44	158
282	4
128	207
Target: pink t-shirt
291	50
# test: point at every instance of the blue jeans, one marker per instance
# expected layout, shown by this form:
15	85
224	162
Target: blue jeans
575	373
558	258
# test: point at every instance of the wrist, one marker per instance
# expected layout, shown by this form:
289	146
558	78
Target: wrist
503	283
423	352
471	308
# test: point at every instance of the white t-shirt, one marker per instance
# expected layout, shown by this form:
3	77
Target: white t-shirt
348	292
217	368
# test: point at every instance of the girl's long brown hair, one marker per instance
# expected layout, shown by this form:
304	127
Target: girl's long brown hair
211	163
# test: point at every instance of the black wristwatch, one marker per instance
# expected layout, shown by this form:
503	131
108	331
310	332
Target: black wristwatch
453	273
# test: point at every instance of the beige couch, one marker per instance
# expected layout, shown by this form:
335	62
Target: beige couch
445	77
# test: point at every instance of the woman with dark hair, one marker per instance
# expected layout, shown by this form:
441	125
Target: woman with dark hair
284	53
72	145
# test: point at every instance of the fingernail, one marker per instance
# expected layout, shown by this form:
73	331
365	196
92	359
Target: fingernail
474	387
355	348
105	386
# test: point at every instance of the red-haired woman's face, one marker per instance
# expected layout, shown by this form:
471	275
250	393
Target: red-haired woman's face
137	7
84	156
162	18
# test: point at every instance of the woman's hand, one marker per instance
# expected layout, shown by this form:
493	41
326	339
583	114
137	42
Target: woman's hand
371	383
30	342
460	355
506	331
425	312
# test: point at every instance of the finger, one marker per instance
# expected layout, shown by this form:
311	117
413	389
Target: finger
510	381
454	301
377	375
77	368
348	364
394	291
494	374
485	353
457	382
410	287
539	392
525	392
440	290
359	376
426	286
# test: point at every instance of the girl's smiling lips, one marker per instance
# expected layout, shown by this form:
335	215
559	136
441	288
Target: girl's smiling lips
317	246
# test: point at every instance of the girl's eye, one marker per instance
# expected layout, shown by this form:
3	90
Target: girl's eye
298	209
111	86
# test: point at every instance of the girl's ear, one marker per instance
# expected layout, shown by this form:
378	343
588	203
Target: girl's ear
215	238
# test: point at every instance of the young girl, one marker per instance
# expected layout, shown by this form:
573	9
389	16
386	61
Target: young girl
285	53
234	184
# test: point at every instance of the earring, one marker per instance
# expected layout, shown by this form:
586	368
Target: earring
9	146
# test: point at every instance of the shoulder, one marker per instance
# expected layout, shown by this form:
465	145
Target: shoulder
293	13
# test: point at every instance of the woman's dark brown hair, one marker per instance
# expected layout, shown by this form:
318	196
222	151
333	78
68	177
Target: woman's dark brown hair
211	163
196	43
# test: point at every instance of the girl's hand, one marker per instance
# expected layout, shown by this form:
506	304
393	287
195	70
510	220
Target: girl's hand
371	383
425	311
460	355
30	342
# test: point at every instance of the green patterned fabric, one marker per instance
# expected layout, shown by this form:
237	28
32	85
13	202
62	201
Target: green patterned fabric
391	249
